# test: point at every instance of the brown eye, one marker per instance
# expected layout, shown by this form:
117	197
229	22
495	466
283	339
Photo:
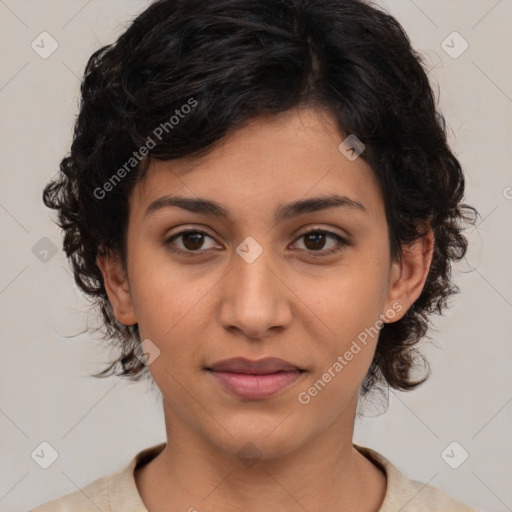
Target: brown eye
316	239
192	242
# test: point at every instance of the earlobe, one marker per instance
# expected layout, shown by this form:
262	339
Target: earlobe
117	287
408	276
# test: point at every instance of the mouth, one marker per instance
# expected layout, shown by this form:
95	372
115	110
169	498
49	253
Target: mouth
253	380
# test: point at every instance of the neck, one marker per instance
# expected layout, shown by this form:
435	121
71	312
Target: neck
325	473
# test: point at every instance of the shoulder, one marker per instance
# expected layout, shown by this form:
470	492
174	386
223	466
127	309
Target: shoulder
409	495
116	492
92	497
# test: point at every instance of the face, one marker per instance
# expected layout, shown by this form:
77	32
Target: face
309	285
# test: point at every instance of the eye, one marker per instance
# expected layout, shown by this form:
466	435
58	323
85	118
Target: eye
192	242
315	239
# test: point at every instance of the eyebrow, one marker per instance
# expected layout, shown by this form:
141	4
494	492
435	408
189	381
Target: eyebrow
284	212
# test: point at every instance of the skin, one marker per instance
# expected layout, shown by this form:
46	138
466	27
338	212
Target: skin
308	311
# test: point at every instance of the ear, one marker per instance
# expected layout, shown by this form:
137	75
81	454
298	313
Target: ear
117	287
407	278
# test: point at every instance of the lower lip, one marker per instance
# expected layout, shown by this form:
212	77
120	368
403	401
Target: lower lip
253	387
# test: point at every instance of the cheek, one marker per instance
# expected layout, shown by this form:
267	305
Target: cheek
173	308
366	285
164	297
344	314
350	296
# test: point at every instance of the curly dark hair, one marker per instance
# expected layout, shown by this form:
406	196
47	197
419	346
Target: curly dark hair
236	59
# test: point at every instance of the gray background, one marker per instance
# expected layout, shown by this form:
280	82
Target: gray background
97	426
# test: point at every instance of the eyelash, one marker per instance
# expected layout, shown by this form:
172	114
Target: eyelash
342	241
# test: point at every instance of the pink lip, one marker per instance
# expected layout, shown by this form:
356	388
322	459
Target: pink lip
253	387
254	380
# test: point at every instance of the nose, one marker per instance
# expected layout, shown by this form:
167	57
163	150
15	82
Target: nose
255	299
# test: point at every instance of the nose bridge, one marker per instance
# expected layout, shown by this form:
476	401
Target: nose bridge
253	299
254	280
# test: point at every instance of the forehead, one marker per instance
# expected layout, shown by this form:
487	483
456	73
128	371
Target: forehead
270	161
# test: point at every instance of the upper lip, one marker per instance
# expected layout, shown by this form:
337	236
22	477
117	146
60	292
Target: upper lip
259	367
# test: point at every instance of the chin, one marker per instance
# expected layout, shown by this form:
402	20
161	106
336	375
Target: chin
258	439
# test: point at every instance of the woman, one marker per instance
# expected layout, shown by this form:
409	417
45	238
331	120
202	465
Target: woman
262	202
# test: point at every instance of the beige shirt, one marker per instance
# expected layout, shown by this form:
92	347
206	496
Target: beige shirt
118	492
